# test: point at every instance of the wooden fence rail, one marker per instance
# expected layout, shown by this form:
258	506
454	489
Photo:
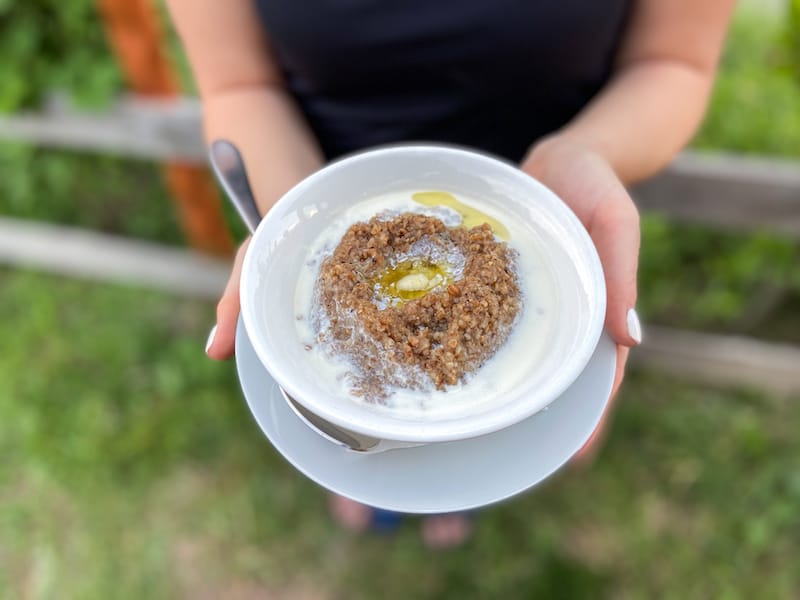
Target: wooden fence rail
727	191
724	191
143	128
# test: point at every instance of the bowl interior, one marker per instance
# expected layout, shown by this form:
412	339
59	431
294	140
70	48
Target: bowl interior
281	243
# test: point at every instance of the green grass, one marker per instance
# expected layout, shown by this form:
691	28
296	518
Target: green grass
130	467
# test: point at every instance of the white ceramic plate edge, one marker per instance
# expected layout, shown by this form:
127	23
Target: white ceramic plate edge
438	478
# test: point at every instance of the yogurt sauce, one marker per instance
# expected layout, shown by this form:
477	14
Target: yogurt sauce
516	358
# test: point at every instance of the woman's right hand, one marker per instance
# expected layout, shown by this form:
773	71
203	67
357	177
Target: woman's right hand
222	338
587	183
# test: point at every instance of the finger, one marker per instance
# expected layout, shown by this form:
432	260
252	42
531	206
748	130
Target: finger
615	230
222	342
619	374
589	450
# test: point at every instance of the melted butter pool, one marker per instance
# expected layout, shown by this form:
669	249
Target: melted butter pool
411	279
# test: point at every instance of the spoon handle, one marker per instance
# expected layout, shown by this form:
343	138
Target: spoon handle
229	169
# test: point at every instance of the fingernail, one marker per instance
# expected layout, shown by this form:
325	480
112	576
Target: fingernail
210	339
634	326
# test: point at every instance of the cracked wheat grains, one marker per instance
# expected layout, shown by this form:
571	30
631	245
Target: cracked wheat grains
439	338
400	363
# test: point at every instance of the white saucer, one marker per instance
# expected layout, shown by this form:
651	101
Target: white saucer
436	478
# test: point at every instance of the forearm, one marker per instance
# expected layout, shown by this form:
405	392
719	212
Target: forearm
276	144
645	115
658	93
243	93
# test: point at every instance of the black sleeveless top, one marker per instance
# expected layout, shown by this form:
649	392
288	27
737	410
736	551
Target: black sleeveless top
490	74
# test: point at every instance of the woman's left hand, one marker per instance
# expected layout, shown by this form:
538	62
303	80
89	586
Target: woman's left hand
587	183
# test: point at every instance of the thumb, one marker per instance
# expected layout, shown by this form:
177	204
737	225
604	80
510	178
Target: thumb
614	228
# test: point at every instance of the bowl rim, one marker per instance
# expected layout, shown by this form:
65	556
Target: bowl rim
439	430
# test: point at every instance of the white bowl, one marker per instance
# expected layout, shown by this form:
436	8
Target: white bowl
279	248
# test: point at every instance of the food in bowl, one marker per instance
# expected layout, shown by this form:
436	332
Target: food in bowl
424	303
413	303
560	279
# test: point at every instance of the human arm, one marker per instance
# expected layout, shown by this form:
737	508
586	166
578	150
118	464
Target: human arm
650	108
245	101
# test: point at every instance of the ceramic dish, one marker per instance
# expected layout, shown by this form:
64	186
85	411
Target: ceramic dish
278	252
441	477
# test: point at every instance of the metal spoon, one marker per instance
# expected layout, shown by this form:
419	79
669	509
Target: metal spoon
228	166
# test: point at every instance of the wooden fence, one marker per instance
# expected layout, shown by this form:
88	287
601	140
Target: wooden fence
721	191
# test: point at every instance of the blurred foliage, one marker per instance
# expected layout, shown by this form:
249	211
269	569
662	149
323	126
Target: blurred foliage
692	276
793	36
754	105
49	44
131	468
102	192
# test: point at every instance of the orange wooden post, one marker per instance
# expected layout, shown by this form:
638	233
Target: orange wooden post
136	37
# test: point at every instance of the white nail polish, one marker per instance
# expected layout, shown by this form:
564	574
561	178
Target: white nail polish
634	326
210	339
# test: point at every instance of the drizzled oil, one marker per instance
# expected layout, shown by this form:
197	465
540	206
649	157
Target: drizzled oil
412	279
470	216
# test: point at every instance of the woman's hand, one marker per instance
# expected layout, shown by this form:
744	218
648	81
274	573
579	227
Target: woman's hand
588	184
222	338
